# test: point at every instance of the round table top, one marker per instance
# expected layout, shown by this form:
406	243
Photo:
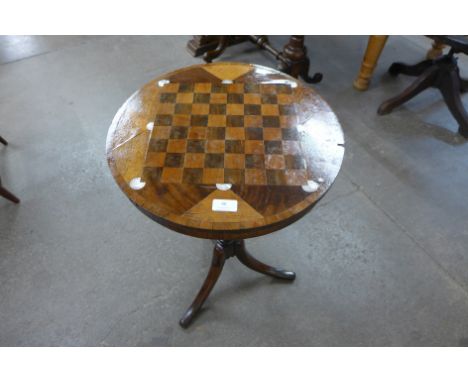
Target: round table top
225	150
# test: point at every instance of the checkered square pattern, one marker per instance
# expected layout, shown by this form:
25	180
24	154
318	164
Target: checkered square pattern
240	133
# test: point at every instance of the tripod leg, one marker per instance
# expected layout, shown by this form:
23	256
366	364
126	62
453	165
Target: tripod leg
420	84
463	85
410	70
8	195
449	86
252	263
2	140
217	264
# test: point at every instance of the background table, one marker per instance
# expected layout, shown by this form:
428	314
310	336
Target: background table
231	132
375	46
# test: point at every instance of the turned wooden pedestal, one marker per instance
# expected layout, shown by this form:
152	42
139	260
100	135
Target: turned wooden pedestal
226	152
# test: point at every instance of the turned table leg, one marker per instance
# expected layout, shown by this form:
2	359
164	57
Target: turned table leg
210	55
375	46
295	53
223	250
436	51
217	264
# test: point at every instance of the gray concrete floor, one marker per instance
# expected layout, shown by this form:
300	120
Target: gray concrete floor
382	260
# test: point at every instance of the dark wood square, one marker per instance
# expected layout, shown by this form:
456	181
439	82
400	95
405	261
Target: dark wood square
252	109
218	88
163	120
251	88
196	146
217	133
235	98
294	162
199	120
273	147
179	132
174	160
192	175
214	160
153	174
254	133
183	108
271	121
186	87
201	98
290	134
235	121
269	98
234	147
286	109
217	108
167	97
254	161
158	145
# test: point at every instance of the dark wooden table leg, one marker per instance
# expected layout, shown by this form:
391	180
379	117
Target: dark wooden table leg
223	250
426	80
201	44
296	54
252	263
463	85
449	85
217	263
7	194
2	140
410	70
220	48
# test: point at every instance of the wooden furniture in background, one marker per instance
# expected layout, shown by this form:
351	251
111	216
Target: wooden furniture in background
441	73
374	48
293	59
436	51
250	140
3	191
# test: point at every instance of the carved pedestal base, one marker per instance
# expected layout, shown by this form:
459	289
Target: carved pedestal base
442	74
292	60
223	250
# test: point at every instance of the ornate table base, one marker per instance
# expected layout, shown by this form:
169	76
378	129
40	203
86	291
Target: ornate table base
292	60
442	74
223	250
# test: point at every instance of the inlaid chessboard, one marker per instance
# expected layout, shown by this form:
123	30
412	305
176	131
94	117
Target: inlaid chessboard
238	133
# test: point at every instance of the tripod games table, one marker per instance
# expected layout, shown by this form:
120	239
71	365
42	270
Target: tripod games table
225	151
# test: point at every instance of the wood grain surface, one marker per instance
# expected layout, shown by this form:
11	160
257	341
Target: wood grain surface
226	131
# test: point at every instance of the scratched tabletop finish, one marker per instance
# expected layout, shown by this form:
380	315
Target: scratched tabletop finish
229	131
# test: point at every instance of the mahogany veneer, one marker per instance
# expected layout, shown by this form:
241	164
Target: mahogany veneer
225	131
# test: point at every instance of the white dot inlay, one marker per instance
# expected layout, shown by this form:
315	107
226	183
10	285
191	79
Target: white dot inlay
149	126
226	82
311	186
223	186
137	184
161	83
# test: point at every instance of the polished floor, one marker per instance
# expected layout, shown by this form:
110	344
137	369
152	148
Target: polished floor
381	261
